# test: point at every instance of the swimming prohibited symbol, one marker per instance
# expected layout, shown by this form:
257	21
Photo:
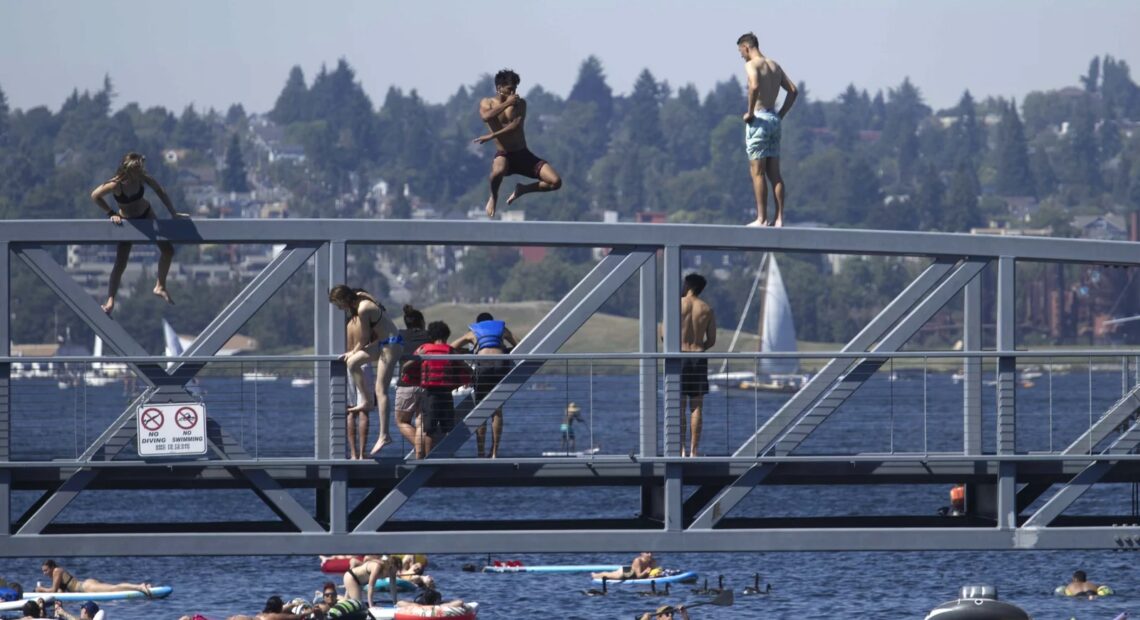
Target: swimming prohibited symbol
151	419
186	418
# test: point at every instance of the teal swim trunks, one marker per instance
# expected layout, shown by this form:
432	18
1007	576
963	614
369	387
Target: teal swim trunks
762	135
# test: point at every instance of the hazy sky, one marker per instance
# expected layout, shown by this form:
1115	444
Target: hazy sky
214	52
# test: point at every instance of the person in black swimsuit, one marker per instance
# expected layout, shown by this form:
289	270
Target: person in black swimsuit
63	581
127	187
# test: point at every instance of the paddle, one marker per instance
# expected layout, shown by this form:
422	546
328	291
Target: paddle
724	599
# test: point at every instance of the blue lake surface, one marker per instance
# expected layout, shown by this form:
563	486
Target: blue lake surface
912	414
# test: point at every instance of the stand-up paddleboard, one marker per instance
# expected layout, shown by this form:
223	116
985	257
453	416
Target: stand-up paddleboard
683	577
580	568
579	453
118	595
468	611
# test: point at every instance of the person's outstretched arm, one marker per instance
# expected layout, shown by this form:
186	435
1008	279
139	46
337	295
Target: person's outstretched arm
157	187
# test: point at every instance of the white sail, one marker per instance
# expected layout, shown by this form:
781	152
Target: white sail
777	329
173	344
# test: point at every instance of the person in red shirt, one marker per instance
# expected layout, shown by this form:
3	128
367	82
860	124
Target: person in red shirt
438	377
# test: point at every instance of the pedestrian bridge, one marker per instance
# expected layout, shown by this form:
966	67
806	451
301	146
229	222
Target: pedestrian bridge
860	457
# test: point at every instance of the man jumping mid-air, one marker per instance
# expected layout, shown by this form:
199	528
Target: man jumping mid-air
504	114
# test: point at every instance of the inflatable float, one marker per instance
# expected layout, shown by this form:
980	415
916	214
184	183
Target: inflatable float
579	568
118	595
1100	591
977	603
467	611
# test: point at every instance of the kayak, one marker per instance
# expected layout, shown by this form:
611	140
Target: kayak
581	568
684	577
468	611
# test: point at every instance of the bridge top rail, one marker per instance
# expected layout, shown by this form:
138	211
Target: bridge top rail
582	234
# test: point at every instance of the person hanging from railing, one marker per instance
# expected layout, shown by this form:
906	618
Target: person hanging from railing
488	337
379	341
127	187
438	377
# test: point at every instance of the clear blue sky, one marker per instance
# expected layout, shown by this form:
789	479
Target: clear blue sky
214	52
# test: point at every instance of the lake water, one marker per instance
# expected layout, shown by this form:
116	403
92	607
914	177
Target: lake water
911	414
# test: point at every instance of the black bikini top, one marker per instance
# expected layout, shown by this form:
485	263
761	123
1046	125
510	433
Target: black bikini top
123	199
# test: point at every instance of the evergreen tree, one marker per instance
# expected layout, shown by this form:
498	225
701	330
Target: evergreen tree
292	104
726	99
1092	80
687	138
967	138
961	211
192	132
1012	156
928	201
3	117
1044	177
643	114
847	121
235	115
591	87
1083	151
234	174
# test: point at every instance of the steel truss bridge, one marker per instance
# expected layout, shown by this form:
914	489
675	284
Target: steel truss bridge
1018	499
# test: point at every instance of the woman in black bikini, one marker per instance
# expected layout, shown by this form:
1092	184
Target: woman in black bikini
127	187
63	581
378	340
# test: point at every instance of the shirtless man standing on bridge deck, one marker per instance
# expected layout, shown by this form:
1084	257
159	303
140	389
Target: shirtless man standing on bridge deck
762	126
698	334
504	114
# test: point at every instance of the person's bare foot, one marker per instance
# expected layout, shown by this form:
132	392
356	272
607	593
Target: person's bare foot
109	306
380	443
515	195
779	222
756	223
490	207
364	407
162	292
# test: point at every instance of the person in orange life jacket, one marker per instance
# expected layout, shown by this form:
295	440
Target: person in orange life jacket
438	377
488	337
958	499
409	394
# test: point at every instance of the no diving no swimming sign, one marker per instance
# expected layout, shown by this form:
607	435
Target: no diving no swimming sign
173	429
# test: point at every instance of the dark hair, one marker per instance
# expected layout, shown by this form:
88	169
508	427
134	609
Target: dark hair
273	605
438	330
413	319
1080	576
429	597
484	316
350	297
51	564
506	77
133	164
694	282
32	608
91	607
328	586
748	39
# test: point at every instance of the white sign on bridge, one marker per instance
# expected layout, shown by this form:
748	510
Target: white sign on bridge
176	429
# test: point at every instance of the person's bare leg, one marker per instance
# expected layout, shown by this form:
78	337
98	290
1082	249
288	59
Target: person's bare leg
498	172
496	432
760	189
481	440
385	363
94	585
406	427
772	165
350	433
361	433
122	255
355	363
696	402
165	256
684	401
548	181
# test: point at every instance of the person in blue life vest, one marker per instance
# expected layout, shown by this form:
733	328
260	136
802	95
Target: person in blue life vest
488	337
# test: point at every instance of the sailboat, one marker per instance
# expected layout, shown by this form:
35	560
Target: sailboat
777	335
103	373
173	348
